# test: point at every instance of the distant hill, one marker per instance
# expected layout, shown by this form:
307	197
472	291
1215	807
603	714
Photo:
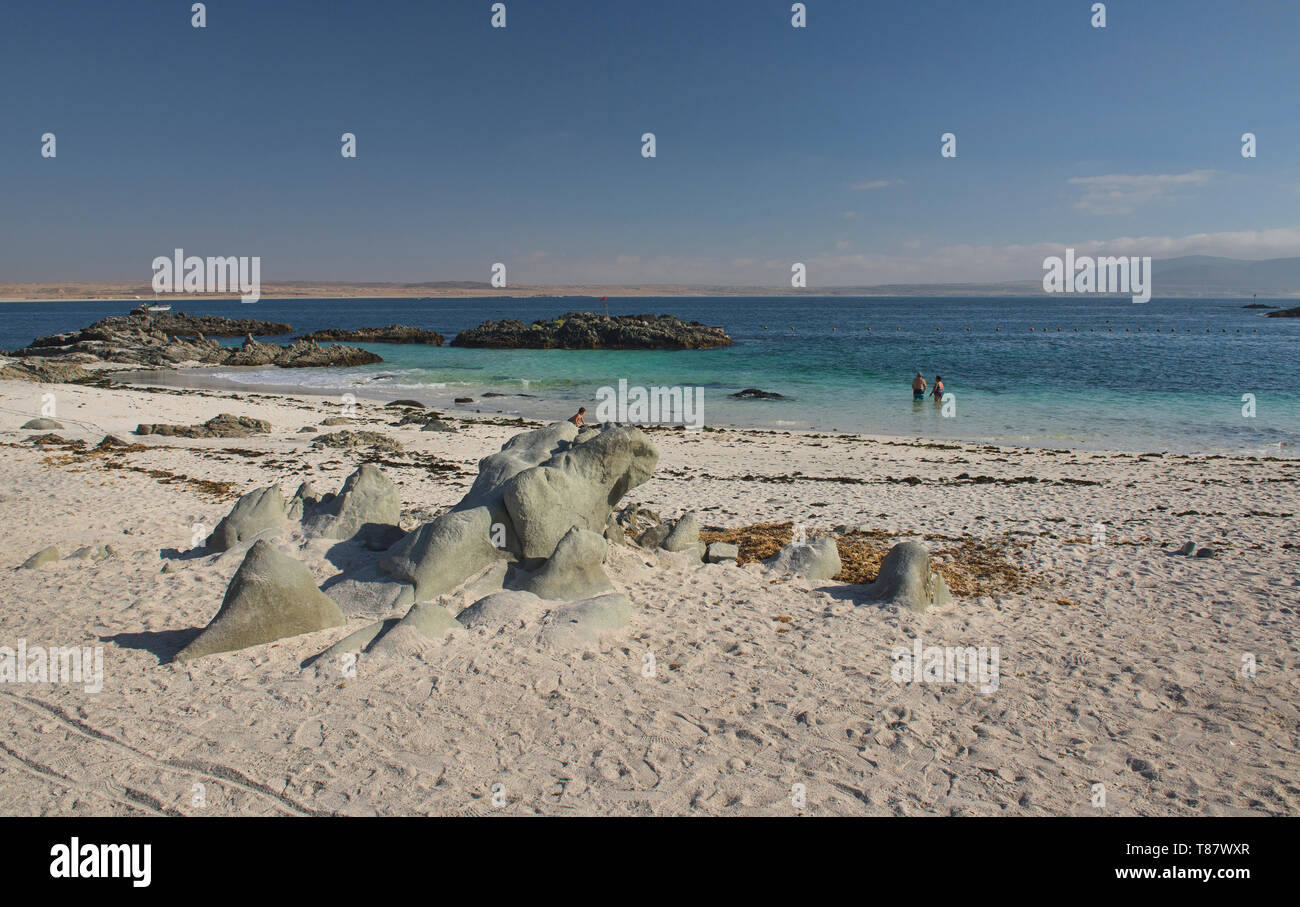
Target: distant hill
1208	275
1187	277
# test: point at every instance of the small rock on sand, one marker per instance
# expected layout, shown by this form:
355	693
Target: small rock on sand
718	552
816	559
41	558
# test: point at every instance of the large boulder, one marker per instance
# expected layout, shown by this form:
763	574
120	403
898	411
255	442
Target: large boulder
369	501
271	597
41	425
576	487
906	580
523	451
817	559
440	555
255	513
573	571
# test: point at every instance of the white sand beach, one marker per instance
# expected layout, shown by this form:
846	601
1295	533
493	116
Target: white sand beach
1120	661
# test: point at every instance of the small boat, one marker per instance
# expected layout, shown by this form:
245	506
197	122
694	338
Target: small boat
158	308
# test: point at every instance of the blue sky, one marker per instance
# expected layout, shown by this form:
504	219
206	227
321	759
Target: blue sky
522	145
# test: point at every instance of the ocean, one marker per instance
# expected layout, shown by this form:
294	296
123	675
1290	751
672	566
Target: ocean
1061	372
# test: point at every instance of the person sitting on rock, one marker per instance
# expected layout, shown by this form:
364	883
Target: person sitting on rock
577	418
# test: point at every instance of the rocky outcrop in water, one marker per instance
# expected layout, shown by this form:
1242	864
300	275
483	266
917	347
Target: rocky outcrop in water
180	324
165	339
393	333
299	354
1285	313
590	331
753	393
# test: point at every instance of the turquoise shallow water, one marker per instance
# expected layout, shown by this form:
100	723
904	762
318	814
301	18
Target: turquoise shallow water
1165	375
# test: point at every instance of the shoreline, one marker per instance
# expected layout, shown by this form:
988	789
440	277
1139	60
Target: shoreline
544	411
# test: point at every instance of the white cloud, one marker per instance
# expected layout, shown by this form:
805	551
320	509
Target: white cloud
1122	193
875	184
990	264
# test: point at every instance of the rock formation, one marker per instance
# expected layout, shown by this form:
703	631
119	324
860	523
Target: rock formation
221	426
816	559
348	439
46	372
393	333
300	354
906	580
540	502
271	596
257	512
573	571
685	534
368	504
169	339
590	331
438	556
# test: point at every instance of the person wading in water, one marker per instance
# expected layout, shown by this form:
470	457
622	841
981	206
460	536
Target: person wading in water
918	387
